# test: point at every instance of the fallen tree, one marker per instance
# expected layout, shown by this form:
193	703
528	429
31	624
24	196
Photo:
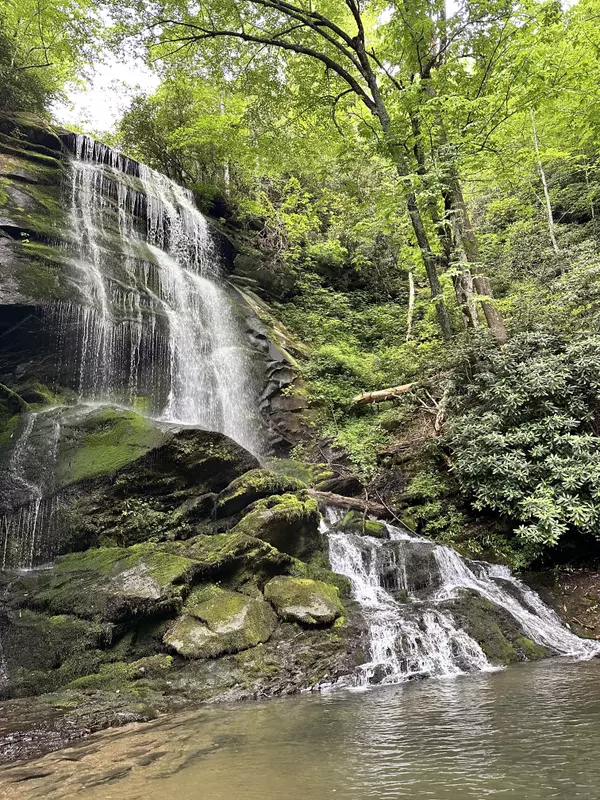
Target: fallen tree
355	503
382	395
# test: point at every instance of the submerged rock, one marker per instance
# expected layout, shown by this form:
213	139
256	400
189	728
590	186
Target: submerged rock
303	600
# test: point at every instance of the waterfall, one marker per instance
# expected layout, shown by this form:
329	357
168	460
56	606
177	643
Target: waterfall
26	527
154	318
405	586
147	322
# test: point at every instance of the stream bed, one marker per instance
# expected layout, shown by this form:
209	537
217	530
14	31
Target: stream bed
529	732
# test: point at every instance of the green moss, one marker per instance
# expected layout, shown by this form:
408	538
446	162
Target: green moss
104	442
289	522
531	650
214	605
309	474
216	621
11	402
355	522
494	630
252	486
116	676
303	600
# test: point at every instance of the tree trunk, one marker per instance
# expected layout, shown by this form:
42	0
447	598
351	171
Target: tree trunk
331	499
542	172
411	306
381	395
418	226
464	289
470	246
430	262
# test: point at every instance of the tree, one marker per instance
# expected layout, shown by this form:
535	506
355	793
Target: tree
43	45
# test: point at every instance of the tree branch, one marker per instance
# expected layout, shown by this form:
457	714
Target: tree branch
203	34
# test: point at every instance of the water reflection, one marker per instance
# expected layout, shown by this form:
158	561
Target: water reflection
530	732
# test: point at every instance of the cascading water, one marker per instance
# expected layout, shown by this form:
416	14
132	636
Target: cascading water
405	586
148	323
158	307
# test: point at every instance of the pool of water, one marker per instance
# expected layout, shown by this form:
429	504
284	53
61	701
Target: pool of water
531	731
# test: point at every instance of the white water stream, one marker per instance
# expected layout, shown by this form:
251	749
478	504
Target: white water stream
411	630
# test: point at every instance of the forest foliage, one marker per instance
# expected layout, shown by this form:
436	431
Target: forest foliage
423	182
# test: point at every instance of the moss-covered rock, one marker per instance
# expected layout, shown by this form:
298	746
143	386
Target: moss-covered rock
252	486
496	631
103	441
216	621
36	647
234	557
117	675
303	600
162	494
355	522
288	522
114	584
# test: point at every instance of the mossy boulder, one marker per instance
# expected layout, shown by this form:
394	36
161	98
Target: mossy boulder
216	621
252	486
235	557
303	600
114	584
288	522
496	631
40	649
163	494
117	675
103	441
355	522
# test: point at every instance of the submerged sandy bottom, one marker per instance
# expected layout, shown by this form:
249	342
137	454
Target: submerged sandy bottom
532	731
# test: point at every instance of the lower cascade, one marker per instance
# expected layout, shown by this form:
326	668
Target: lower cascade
420	602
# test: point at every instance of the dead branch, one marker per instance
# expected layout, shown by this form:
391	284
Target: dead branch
382	395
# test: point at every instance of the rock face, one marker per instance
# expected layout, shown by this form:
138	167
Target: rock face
174	566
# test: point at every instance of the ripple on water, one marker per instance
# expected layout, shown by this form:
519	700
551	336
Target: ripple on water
529	733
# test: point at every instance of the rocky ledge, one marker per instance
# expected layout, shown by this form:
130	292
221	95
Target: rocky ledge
193	576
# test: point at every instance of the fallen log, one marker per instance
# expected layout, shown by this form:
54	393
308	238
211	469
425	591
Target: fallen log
381	395
355	503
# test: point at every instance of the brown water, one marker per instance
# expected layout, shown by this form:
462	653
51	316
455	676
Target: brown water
532	731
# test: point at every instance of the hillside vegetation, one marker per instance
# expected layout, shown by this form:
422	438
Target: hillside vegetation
416	194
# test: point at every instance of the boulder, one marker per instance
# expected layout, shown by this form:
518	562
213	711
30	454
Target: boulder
303	600
252	486
355	522
288	522
216	621
161	494
113	583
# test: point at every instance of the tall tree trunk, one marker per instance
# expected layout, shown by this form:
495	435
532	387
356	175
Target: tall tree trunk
542	172
470	246
429	258
411	306
430	262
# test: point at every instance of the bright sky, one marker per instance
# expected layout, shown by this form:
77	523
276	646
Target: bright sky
99	106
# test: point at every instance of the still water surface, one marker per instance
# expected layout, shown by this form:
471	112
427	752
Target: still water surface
532	731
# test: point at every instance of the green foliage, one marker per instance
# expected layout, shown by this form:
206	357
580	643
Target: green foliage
43	45
524	436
